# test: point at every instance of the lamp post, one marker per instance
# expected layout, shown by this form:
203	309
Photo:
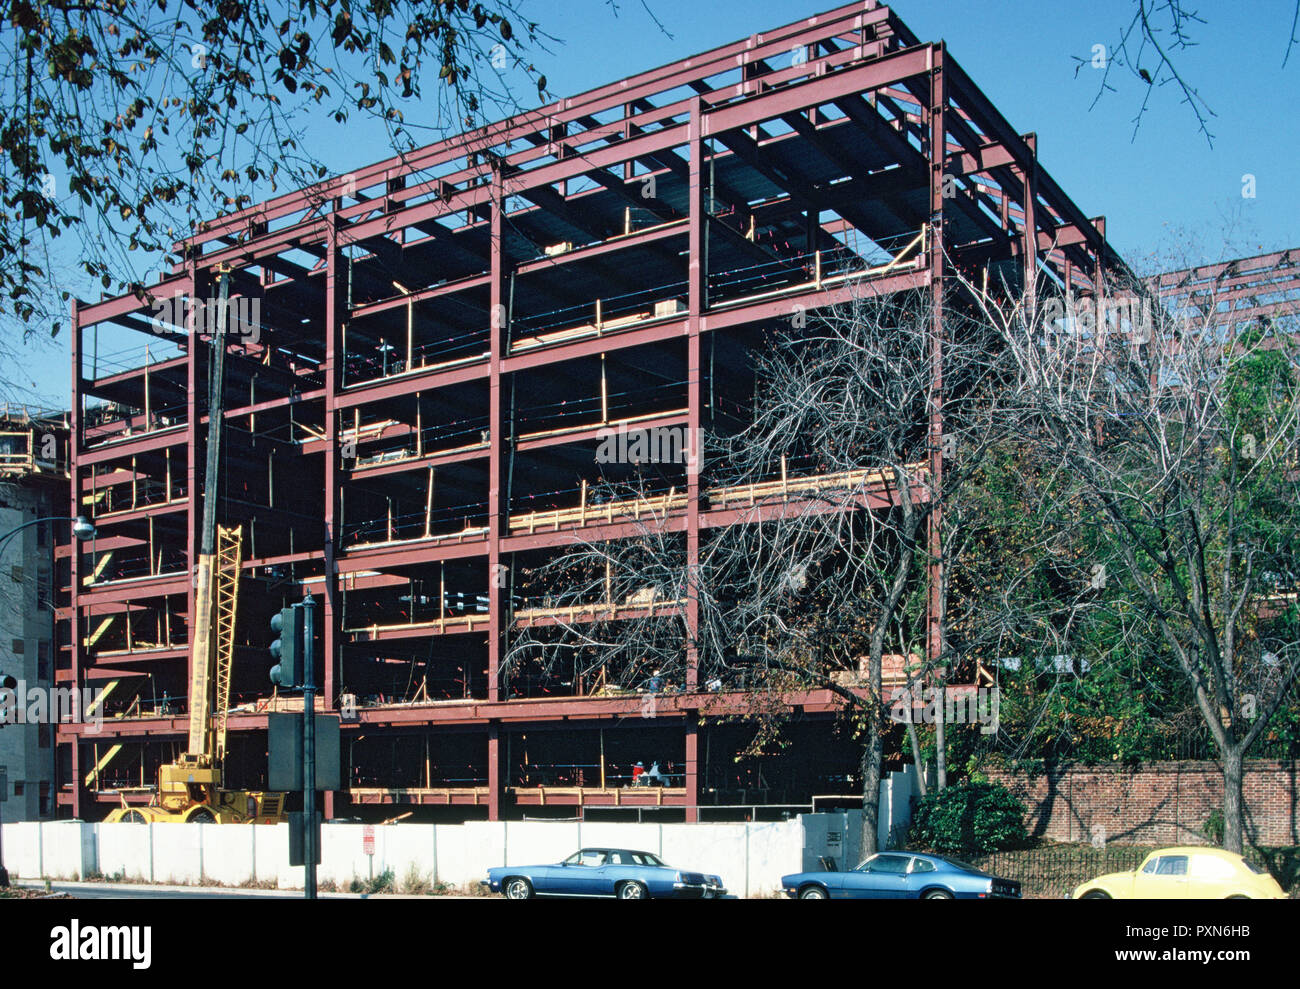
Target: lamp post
82	529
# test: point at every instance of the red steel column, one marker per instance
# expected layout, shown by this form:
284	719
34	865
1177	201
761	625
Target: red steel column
696	276
333	478
938	161
496	460
74	453
692	767
193	506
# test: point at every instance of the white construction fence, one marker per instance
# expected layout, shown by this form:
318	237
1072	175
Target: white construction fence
750	857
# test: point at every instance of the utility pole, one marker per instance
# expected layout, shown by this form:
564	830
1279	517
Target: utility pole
309	746
4	795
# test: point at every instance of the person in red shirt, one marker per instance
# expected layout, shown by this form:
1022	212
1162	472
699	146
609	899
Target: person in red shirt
637	770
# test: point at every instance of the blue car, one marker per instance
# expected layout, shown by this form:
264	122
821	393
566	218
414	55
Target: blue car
901	876
618	872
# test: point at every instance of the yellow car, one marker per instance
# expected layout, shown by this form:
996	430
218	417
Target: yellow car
1191	873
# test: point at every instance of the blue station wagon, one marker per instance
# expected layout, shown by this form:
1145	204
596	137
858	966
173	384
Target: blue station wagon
901	876
618	872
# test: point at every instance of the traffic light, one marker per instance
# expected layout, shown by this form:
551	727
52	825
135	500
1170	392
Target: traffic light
287	649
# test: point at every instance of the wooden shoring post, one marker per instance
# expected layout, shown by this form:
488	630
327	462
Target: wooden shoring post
152	569
600	319
419	431
582	503
410	331
609	584
389	500
428	505
133	483
252	400
604	393
442	595
167	474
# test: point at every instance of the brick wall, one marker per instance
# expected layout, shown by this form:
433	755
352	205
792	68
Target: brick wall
1162	803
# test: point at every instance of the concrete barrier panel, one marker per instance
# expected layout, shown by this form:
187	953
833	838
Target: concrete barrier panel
67	849
716	849
177	853
126	850
341	854
227	852
409	852
467	851
775	850
22	849
271	856
539	842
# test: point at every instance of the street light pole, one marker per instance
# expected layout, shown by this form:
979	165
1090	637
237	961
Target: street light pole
309	746
82	527
4	793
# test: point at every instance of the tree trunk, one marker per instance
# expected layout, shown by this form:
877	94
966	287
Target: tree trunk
940	737
917	761
872	756
1233	773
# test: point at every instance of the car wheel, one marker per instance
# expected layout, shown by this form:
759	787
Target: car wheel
1095	894
517	888
631	891
937	894
812	893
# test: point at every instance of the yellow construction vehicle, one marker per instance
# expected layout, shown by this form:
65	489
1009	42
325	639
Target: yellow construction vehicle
190	788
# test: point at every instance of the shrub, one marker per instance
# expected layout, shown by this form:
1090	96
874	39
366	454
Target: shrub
416	882
1213	827
382	883
970	818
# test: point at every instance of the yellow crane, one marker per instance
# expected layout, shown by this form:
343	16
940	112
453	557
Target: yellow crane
190	789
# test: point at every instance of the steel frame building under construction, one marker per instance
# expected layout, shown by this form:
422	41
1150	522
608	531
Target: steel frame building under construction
426	353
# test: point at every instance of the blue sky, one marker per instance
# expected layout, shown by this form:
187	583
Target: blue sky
1167	194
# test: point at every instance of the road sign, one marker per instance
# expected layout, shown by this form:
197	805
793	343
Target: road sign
285	737
297	831
368	840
